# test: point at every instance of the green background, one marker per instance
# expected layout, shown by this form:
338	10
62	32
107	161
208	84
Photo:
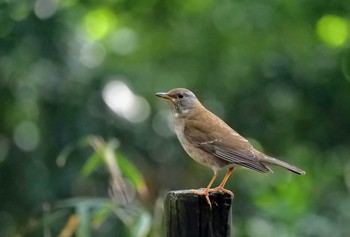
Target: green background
73	72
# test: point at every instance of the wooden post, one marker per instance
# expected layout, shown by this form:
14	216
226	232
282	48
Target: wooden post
189	215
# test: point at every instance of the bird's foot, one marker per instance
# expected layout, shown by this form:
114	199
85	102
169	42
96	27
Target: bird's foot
204	192
218	189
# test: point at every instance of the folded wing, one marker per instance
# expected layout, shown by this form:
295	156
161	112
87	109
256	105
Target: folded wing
223	143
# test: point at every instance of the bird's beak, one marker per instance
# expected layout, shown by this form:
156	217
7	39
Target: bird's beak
164	95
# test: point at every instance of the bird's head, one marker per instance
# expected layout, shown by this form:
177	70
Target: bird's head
182	101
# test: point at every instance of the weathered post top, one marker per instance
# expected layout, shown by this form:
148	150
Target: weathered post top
189	215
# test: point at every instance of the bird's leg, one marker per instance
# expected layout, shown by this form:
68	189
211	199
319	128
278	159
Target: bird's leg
221	186
206	190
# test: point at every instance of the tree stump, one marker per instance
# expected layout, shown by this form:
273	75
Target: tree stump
189	215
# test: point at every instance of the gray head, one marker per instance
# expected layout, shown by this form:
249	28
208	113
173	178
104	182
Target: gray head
181	100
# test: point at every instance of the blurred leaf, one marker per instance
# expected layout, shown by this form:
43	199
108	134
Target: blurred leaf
83	213
101	214
86	141
39	223
83	208
143	225
67	150
131	172
63	156
88	202
93	162
70	227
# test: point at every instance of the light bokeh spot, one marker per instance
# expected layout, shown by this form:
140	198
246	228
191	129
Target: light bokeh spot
99	22
162	123
26	136
122	101
45	8
19	11
123	41
333	30
92	54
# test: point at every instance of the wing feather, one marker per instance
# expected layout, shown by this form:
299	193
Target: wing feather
223	143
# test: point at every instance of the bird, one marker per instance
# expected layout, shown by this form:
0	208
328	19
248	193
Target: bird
211	142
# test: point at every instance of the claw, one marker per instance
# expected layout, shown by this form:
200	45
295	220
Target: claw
205	192
218	189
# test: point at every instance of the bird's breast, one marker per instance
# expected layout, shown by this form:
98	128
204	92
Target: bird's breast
193	151
179	127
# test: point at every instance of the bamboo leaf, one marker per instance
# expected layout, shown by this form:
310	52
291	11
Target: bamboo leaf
93	162
101	214
63	156
131	172
143	225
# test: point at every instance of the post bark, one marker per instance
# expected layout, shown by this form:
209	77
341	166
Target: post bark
189	215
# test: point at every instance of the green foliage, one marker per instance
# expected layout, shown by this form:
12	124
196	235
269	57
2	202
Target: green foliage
277	71
93	212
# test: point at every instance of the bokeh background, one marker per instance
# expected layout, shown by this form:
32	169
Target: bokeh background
78	111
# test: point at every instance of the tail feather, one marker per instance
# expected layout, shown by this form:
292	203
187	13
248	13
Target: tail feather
273	161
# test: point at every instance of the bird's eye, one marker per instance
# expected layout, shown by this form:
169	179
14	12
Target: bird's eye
180	96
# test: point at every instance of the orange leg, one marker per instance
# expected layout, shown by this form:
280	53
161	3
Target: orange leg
221	186
206	190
